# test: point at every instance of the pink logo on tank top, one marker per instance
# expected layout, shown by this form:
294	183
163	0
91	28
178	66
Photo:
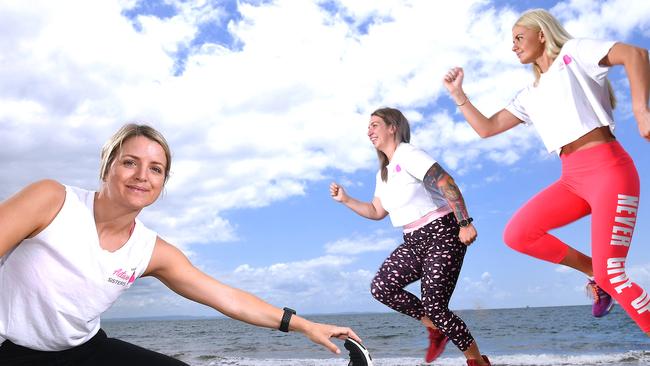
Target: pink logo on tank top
398	168
121	274
121	277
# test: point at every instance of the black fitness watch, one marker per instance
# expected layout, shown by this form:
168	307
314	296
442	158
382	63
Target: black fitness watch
286	317
465	222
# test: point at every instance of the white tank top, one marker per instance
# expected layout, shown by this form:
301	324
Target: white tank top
560	106
56	285
403	195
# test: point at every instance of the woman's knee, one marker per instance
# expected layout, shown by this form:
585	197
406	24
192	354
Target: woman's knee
519	235
114	351
438	314
378	288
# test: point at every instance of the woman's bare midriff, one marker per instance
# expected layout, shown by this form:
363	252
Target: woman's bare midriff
595	137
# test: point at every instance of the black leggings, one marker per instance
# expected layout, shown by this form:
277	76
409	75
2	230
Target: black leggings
434	255
98	351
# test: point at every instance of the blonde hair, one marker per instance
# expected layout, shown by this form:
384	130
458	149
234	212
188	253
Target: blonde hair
114	145
555	36
392	117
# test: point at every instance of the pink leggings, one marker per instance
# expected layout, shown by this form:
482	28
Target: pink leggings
603	181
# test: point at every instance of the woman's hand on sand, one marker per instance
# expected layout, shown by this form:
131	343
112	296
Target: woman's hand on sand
321	334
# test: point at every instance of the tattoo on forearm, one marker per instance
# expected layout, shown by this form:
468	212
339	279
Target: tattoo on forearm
437	179
455	199
434	174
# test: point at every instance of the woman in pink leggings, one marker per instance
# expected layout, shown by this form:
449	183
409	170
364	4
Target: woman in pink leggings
570	103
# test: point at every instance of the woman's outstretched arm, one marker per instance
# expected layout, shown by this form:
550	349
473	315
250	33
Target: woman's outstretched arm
174	269
437	178
637	67
370	210
501	121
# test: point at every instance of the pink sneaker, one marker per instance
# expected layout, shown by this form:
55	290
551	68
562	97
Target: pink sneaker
437	343
475	362
603	303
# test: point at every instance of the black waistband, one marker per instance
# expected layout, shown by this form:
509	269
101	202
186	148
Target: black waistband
9	348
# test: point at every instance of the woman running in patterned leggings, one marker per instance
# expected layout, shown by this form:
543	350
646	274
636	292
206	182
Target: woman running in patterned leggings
423	199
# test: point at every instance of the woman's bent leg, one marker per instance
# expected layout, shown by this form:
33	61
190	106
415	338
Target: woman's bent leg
554	207
615	200
400	269
444	254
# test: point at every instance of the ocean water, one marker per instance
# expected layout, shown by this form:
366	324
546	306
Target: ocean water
549	336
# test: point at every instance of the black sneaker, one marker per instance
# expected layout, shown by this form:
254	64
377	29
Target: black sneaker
359	355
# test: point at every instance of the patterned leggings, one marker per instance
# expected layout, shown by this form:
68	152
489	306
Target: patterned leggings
434	255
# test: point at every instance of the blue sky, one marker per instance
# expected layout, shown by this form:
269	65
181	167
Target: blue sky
265	103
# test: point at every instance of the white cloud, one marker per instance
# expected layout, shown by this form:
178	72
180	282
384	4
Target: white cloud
482	285
357	245
317	283
564	269
347	182
253	125
640	274
611	19
322	284
480	293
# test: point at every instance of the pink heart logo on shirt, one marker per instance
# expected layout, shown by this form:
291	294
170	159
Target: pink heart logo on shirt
398	168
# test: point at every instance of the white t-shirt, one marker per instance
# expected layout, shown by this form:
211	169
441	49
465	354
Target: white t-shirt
403	195
55	286
558	106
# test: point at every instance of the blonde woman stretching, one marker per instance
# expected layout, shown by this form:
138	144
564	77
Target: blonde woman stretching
66	254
